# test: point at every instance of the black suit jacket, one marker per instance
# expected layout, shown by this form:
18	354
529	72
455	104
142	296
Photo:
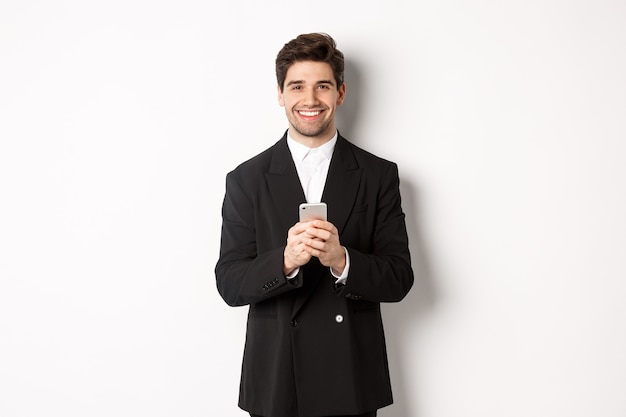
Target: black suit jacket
313	348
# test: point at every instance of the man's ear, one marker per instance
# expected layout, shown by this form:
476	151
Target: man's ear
281	101
342	94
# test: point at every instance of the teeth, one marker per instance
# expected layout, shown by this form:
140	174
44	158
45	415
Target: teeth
309	113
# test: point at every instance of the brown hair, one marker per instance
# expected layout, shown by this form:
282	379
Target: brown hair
318	47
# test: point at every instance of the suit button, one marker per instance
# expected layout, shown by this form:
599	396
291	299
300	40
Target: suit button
294	323
339	318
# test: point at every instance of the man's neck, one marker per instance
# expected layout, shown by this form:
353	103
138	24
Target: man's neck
312	141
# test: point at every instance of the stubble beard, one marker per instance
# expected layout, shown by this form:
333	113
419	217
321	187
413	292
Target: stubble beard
313	130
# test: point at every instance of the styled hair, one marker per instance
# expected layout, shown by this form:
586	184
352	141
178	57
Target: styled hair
317	47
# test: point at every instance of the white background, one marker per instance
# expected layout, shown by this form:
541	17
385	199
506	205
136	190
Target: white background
119	121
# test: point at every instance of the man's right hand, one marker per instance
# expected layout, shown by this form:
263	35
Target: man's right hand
295	254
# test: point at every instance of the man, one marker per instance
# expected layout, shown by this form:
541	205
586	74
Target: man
314	344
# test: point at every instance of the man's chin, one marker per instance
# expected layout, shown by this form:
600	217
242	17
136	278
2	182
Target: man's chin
311	133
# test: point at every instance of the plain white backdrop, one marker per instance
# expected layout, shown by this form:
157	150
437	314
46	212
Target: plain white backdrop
119	121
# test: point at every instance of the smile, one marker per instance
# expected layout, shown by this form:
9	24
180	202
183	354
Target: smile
309	113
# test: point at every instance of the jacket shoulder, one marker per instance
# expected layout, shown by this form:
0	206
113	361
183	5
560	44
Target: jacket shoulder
365	158
259	163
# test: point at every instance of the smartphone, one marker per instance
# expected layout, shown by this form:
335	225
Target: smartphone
312	211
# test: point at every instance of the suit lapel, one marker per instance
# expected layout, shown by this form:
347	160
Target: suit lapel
342	184
284	185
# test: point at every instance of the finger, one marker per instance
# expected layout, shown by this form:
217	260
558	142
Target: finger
305	227
319	233
326	225
313	252
315	243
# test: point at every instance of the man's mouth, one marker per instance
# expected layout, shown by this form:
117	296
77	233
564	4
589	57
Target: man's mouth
309	113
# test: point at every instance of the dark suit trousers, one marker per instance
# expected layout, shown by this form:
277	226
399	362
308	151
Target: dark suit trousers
370	414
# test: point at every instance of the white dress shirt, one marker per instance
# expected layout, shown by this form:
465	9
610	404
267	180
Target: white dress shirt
312	166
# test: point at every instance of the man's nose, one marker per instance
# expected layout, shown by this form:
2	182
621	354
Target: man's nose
310	96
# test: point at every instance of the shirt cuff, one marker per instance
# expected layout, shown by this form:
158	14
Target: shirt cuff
341	279
293	273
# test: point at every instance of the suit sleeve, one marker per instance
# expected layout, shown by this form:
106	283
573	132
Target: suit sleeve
243	275
382	273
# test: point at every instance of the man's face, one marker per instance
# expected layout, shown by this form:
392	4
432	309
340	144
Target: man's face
310	98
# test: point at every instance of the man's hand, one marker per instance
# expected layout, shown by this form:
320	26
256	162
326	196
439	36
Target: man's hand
314	238
295	254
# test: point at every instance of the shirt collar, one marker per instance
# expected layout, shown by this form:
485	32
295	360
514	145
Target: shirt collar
299	151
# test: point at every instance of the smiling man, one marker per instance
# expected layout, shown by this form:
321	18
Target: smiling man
310	95
315	344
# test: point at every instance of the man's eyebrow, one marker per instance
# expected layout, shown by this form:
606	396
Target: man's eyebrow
298	82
